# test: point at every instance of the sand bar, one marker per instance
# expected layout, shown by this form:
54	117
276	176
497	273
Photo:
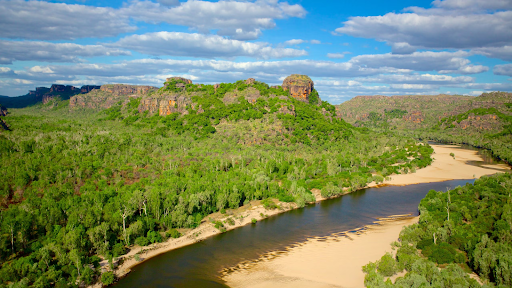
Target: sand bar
318	263
445	167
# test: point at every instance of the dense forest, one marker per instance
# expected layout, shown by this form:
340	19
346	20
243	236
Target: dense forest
81	185
462	230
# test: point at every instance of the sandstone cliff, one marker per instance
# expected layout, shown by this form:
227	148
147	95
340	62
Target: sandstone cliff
299	86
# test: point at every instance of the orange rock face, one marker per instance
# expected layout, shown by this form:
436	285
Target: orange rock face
299	86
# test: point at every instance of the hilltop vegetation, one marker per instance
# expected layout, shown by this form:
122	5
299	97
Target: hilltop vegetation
484	121
80	185
465	229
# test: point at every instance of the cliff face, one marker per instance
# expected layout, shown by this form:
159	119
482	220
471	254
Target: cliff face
126	90
108	95
299	86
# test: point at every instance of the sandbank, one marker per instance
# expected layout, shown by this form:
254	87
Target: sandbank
445	167
319	262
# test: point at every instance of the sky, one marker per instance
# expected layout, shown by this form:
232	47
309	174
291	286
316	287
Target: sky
348	48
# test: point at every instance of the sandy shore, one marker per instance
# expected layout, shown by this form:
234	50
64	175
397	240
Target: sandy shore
443	168
332	262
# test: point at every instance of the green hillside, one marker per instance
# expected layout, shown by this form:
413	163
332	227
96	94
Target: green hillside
483	121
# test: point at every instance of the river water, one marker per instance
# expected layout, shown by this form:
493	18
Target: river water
199	265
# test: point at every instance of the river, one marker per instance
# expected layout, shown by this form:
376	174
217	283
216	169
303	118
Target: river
199	265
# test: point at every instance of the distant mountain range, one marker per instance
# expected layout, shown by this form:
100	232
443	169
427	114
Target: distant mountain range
44	95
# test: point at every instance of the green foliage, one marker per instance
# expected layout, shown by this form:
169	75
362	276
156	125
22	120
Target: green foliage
268	204
477	236
173	233
107	278
395	113
253	220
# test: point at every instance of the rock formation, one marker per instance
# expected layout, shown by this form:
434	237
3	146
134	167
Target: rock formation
178	79
126	90
299	86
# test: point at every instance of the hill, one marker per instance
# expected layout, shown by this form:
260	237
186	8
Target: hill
45	95
483	121
95	176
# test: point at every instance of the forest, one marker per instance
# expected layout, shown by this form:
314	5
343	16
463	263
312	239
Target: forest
81	186
460	231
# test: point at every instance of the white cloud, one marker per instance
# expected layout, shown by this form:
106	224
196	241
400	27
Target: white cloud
315	42
294	42
504	53
490	86
458	24
473	5
55	21
337	55
52	52
505	69
199	45
428	79
169	3
452	62
242	20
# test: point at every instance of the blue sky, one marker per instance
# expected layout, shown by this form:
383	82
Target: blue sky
348	48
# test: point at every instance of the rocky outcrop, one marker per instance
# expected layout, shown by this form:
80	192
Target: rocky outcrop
415	116
178	79
108	95
126	90
250	81
88	88
167	105
299	86
480	122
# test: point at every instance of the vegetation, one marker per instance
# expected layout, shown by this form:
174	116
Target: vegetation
79	187
465	229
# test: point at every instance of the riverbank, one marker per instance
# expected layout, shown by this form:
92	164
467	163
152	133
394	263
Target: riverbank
334	261
447	167
440	170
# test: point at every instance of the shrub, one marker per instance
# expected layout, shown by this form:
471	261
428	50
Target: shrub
173	233
268	204
154	237
142	241
387	265
107	278
253	220
118	249
230	221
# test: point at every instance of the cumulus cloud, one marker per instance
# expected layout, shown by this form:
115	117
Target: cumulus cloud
457	24
337	55
427	79
473	5
242	20
294	42
448	62
199	45
504	53
52	52
57	21
505	69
